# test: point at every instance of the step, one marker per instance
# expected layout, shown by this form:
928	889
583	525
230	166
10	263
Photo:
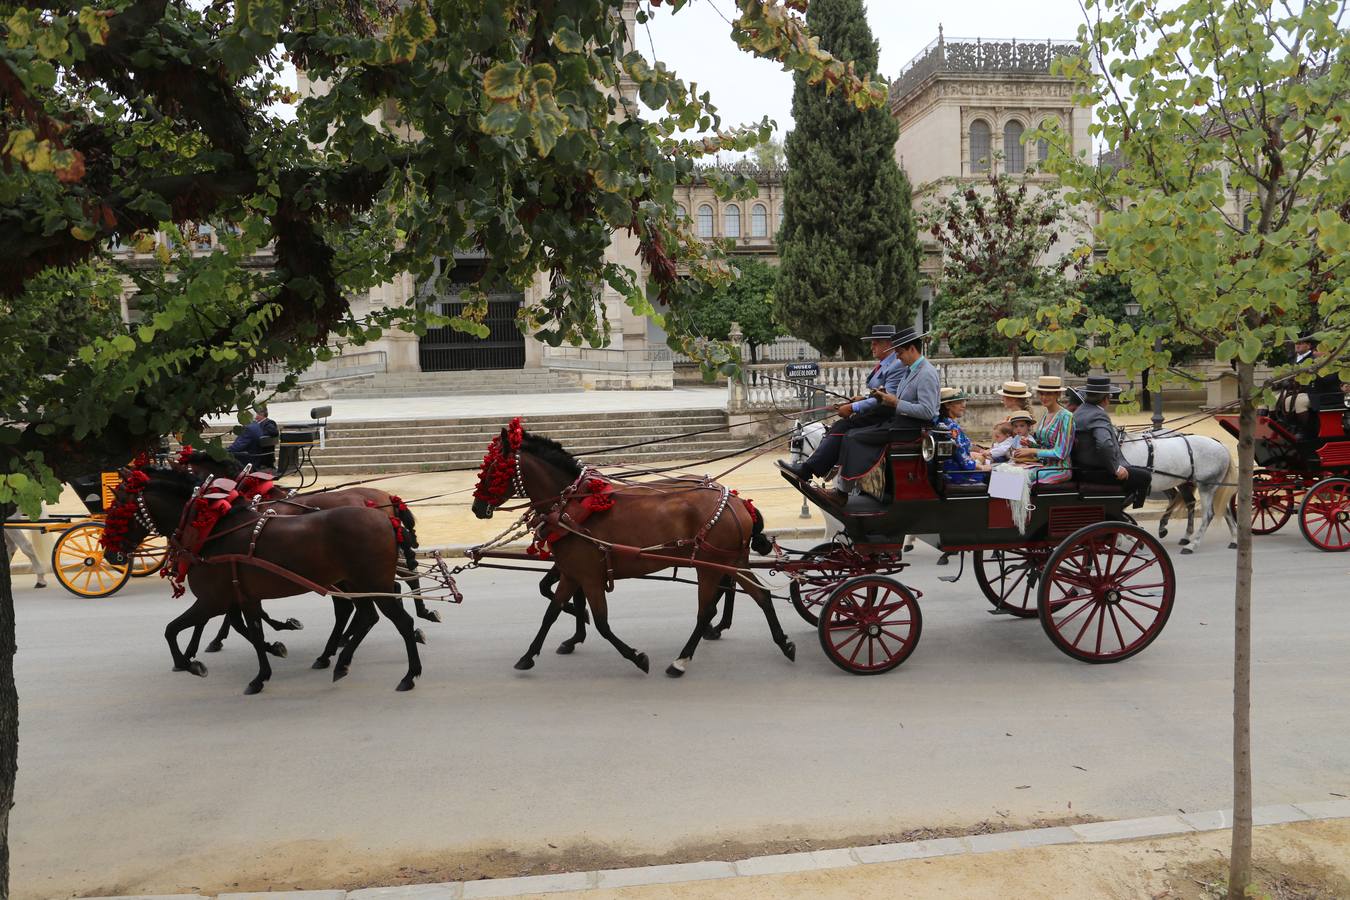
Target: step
447	465
325	457
616	434
533	423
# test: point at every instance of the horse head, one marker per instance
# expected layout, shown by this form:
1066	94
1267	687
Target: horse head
499	475
146	501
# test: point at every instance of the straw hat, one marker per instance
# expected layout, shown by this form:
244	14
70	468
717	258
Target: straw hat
1022	416
1015	389
1049	384
951	395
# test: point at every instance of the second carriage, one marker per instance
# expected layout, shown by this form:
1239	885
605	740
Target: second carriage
1101	586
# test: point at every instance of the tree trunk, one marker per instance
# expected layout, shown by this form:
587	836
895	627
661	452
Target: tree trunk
1240	855
9	717
1016	355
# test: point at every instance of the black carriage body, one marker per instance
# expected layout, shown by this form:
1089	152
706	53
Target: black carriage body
963	516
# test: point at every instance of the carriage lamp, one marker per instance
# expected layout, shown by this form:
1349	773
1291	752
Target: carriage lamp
1155	400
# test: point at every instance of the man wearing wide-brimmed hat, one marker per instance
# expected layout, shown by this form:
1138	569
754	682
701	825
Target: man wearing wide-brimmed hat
1096	445
860	412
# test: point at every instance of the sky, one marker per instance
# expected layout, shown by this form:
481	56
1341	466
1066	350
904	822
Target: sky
696	44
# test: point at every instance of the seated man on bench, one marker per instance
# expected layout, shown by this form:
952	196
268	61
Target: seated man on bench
1096	446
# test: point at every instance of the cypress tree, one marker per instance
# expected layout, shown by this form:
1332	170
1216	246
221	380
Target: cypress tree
850	255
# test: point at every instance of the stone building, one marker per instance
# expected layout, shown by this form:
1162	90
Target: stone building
963	107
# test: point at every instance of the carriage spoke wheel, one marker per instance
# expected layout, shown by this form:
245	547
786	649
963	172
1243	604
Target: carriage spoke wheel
1009	578
870	625
78	562
1106	592
1324	515
809	590
149	556
1272	503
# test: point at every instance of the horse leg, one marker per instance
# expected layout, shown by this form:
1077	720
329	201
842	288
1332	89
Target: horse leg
342	611
193	615
595	596
577	607
709	587
765	600
1187	493
366	617
219	641
726	591
420	605
393	611
1207	492
288	625
555	607
197	630
1171	495
250	626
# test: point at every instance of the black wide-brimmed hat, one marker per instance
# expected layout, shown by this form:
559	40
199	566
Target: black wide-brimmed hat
1074	395
906	336
1099	384
880	333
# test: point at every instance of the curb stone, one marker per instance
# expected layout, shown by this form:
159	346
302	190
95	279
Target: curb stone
808	861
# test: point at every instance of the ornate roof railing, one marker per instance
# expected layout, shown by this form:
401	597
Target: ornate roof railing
980	56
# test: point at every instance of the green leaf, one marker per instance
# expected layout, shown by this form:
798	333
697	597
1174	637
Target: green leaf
501	119
1250	350
504	81
568	41
124	343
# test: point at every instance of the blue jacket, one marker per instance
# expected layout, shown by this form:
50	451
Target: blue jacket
887	377
247	447
917	395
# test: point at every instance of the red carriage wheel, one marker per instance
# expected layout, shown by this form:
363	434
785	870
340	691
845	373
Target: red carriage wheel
870	625
1106	592
809	591
1272	503
1324	515
1009	578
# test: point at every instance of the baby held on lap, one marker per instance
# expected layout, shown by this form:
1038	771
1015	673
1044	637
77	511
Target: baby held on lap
1008	436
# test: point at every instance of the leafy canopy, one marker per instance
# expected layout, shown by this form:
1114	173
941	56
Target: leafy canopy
1229	215
499	126
747	300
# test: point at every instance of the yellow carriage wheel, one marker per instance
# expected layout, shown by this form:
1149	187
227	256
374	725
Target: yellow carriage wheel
77	560
149	556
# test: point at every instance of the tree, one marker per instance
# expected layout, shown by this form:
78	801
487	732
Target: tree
504	129
748	300
769	154
1104	296
1229	221
993	242
849	252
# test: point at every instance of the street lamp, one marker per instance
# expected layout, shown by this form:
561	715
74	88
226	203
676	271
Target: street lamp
1155	400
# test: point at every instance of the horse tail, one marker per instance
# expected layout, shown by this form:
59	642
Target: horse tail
409	522
759	541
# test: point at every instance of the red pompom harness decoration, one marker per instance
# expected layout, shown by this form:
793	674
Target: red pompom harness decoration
215	500
118	519
396	505
588	495
497	474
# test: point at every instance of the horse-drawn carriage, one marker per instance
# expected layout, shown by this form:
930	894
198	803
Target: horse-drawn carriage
1303	464
1101	586
78	560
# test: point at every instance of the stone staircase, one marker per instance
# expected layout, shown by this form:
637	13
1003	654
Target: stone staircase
434	445
444	384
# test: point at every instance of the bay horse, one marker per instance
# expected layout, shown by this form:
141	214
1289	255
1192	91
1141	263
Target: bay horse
685	519
202	464
352	549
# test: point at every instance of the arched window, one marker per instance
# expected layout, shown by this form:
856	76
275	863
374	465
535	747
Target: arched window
979	146
1013	151
705	221
683	213
731	221
759	221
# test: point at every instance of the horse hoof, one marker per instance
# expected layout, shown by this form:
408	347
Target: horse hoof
1186	551
418	636
942	560
429	614
525	663
712	633
278	650
642	662
566	647
908	548
294	625
1183	542
339	673
197	667
407	684
1232	545
320	663
214	647
254	687
674	671
789	650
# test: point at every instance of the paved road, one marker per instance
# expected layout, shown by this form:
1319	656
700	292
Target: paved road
127	770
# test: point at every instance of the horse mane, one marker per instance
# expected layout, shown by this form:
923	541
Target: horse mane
175	480
550	451
231	465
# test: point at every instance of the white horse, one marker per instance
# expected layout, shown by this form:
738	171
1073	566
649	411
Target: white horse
1179	461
